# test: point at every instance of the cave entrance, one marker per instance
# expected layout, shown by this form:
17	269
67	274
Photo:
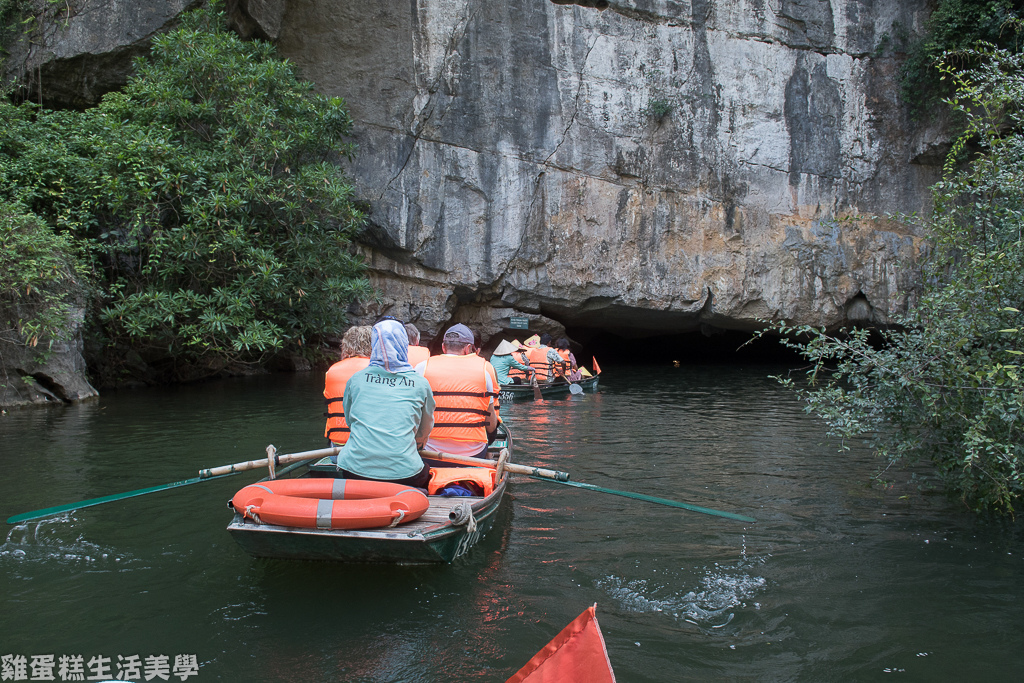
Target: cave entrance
724	347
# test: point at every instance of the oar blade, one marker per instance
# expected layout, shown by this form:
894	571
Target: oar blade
56	510
652	499
204	475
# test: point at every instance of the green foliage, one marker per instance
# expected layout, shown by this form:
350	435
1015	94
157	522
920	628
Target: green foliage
208	187
45	276
12	16
956	26
947	385
658	109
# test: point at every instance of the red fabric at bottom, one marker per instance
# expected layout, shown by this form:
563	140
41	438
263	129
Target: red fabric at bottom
576	655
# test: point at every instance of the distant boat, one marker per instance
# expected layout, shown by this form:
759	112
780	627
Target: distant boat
447	530
558	387
576	655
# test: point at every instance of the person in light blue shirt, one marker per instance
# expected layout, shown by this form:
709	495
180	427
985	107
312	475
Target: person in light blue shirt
390	412
503	360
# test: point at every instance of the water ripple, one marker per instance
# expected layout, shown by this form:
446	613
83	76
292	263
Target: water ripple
45	541
710	605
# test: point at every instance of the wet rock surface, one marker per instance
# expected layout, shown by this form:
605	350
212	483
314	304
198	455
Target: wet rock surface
46	374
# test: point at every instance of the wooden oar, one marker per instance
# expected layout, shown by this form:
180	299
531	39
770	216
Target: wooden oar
563	478
650	499
537	396
204	475
278	460
509	467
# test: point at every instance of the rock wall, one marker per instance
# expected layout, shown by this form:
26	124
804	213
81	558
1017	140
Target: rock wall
52	373
653	166
71	53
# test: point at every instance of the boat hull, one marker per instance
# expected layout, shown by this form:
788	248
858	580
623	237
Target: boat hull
432	538
524	392
440	543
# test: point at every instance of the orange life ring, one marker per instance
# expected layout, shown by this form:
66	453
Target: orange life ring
324	503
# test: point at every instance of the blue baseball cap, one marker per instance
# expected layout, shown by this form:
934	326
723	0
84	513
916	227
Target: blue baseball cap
459	334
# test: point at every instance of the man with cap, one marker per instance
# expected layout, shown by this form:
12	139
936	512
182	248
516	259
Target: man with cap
503	360
389	410
465	390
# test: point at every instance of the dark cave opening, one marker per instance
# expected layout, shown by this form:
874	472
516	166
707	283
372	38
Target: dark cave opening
722	347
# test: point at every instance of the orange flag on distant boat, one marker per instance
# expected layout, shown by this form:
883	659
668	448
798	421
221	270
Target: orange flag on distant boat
576	655
597	368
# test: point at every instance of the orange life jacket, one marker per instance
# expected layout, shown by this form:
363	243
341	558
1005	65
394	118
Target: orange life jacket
418	354
522	358
334	391
461	396
566	364
440	477
538	356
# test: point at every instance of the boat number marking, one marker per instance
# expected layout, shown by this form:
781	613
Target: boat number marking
506	396
465	543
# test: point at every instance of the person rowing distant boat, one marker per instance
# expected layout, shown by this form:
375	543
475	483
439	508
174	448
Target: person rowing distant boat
390	412
542	356
504	362
568	369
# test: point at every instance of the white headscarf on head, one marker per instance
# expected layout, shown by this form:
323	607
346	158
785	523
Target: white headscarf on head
390	346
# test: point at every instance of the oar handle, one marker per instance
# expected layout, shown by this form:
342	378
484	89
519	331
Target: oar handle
257	464
509	467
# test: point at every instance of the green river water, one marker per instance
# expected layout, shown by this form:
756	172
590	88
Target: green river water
836	581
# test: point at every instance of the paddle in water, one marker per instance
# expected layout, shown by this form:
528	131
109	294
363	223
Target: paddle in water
204	475
537	396
563	478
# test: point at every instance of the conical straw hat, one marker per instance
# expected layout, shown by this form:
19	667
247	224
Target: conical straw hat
505	348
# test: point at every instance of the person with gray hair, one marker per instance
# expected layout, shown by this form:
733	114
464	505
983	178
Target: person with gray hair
356	343
355	356
417	353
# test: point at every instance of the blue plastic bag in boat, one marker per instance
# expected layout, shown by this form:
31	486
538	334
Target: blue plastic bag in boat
455	490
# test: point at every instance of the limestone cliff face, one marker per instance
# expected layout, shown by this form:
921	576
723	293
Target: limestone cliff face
657	165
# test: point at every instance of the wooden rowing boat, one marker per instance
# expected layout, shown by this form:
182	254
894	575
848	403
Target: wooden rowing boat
436	537
559	387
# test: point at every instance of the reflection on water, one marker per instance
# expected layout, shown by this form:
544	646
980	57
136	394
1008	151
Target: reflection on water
835	581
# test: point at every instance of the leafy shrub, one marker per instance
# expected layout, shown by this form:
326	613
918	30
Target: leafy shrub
947	385
210	191
956	26
44	276
658	109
